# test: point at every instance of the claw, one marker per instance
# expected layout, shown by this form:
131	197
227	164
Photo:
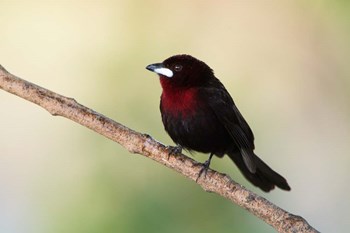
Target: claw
174	150
205	167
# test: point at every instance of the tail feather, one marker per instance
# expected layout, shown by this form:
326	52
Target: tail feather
264	177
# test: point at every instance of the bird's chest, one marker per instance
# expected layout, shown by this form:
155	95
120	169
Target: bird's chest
180	104
188	120
179	110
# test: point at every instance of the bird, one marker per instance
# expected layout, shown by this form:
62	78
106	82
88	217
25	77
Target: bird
199	114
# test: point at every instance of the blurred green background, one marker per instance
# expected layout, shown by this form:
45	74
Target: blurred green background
286	64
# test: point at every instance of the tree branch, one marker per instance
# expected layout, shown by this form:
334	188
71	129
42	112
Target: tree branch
143	144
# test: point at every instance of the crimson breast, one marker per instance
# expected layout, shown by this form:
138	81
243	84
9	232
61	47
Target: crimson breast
179	102
190	122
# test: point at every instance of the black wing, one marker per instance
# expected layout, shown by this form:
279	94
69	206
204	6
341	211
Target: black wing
228	114
252	167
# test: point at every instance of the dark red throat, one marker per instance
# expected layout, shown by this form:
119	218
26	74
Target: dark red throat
178	100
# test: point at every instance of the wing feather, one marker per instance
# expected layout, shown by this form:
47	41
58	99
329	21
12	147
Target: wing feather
228	114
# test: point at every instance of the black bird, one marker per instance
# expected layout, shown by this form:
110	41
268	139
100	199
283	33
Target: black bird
199	114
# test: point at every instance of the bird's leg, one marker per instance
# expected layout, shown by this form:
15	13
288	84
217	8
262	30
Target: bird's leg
174	150
205	167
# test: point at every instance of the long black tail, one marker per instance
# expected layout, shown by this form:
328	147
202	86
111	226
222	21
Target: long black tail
264	177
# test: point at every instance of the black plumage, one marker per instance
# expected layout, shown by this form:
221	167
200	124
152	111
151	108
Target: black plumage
199	114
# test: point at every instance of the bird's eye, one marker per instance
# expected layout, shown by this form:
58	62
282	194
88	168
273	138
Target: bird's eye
178	68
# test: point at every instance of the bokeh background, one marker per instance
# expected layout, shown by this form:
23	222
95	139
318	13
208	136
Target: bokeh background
286	63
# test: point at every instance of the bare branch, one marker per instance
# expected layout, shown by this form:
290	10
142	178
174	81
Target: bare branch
143	144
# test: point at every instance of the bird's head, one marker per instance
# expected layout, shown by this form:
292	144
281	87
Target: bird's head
182	71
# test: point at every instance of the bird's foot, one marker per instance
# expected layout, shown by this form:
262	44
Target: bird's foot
204	169
174	150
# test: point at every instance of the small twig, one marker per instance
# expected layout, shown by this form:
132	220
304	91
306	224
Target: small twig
143	144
